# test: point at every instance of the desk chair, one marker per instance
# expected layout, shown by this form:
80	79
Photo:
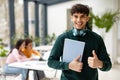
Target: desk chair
45	57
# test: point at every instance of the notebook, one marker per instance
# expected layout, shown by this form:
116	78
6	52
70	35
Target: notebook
72	49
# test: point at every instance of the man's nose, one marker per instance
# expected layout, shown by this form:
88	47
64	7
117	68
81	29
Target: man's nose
79	19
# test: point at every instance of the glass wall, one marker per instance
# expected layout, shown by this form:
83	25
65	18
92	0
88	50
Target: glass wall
4	22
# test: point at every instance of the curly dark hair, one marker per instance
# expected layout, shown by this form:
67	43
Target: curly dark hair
80	8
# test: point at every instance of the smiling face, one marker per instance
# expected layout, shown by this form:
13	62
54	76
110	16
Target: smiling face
79	16
79	20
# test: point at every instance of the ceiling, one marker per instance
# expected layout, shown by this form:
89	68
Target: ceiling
51	2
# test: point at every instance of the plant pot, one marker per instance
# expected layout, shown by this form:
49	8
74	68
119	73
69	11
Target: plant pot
2	61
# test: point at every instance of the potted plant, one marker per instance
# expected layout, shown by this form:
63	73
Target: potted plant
50	38
3	53
106	20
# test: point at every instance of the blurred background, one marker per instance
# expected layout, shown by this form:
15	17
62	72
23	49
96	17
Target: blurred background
44	20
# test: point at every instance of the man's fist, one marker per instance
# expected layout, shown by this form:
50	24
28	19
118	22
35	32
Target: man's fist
94	62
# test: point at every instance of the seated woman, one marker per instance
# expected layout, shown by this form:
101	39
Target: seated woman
28	51
16	55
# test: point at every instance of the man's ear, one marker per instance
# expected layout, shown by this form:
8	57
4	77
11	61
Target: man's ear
88	18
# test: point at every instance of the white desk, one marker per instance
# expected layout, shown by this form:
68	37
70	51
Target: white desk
34	65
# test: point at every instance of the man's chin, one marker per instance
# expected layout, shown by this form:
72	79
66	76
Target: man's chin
78	27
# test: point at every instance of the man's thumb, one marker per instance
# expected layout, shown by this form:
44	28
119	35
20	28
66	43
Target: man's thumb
94	54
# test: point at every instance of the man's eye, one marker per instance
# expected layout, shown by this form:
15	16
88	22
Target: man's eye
76	16
83	16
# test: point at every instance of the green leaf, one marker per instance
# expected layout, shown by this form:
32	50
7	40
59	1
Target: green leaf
106	20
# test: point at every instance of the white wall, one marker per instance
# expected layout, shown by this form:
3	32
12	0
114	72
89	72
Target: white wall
57	21
118	34
57	13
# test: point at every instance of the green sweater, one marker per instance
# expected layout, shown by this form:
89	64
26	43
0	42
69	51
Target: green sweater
92	42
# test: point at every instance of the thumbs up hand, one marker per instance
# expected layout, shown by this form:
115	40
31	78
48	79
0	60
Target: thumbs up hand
94	62
76	65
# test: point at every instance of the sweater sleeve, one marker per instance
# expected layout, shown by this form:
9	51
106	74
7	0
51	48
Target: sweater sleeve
104	57
54	59
35	52
16	54
19	57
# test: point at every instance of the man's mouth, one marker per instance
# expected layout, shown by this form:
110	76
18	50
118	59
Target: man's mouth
79	24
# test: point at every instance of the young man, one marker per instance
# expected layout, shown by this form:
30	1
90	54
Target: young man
94	57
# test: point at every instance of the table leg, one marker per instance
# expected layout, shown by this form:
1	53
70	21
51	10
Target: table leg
27	74
37	74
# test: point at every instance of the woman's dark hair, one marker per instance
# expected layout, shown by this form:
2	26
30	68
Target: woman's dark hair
80	8
19	43
27	41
